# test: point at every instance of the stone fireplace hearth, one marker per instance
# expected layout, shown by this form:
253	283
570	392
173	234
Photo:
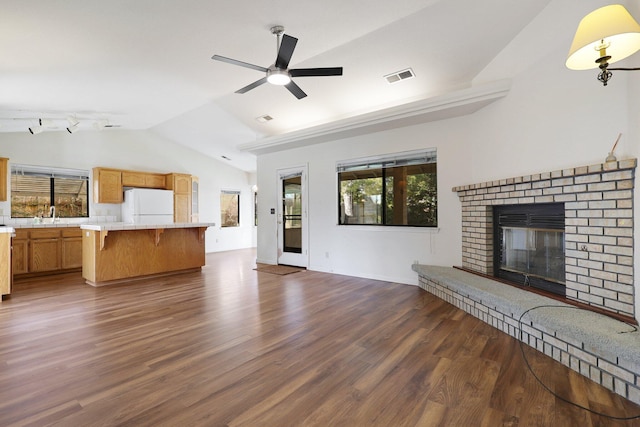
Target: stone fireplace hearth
598	237
598	202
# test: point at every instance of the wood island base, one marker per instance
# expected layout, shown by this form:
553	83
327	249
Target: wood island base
150	276
112	256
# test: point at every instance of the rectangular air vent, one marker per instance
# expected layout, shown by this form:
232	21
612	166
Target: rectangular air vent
264	119
399	75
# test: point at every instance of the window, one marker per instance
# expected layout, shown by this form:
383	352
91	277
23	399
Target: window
392	190
255	208
35	189
229	208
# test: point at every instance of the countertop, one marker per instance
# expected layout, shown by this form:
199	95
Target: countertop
105	226
112	226
33	225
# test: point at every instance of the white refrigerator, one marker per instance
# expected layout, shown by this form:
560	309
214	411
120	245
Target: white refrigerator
147	206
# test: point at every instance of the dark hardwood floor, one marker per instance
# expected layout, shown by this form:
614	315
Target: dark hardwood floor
231	346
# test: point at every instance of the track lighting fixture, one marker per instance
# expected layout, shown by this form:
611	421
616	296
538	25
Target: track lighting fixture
34	130
100	124
72	121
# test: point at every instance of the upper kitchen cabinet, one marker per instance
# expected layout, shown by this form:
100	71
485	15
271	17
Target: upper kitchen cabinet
143	179
3	178
181	185
195	199
107	185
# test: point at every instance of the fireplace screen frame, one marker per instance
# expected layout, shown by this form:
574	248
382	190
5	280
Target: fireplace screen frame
544	217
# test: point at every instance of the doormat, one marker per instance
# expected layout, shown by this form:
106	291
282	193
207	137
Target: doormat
277	269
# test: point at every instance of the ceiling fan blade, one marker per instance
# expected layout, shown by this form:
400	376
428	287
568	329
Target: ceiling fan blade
295	90
310	72
240	63
287	45
252	85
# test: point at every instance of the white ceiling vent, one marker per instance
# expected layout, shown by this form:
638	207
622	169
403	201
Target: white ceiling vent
264	119
399	75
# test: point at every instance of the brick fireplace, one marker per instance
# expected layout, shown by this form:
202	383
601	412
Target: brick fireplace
598	202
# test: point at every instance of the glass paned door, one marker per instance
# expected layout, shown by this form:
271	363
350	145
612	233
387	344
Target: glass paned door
292	214
292	217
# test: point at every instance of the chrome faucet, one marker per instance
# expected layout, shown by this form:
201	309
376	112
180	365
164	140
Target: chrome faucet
52	214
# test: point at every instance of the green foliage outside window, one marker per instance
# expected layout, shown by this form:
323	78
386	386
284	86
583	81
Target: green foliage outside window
403	195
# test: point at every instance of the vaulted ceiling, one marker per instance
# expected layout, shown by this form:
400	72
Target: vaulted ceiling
146	64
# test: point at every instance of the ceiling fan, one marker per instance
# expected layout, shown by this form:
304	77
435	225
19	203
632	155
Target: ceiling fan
278	73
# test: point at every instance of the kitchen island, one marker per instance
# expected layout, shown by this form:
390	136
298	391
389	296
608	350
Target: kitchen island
117	252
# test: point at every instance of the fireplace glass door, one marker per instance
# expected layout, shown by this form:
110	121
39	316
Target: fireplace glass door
534	253
529	247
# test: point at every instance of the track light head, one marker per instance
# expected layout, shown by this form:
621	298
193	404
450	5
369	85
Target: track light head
72	121
34	130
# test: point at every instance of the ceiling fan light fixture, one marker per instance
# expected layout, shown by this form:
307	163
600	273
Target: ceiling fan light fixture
278	77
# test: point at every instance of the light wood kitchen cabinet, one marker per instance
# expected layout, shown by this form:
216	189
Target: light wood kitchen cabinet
3	178
6	278
180	183
107	185
44	250
20	254
181	207
71	248
143	179
195	199
181	186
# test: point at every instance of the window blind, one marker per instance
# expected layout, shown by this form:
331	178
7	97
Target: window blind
49	172
406	158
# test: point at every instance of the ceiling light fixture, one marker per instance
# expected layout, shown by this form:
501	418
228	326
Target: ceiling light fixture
604	36
34	130
73	128
278	77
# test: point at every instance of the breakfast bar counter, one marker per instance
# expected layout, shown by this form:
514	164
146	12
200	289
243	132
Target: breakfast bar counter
117	252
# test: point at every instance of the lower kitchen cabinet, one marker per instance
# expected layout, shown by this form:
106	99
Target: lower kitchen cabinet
6	279
40	250
71	248
20	253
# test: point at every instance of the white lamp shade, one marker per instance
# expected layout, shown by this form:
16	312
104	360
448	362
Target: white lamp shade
612	24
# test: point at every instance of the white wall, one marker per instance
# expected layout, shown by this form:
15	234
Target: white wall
144	151
367	251
552	119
